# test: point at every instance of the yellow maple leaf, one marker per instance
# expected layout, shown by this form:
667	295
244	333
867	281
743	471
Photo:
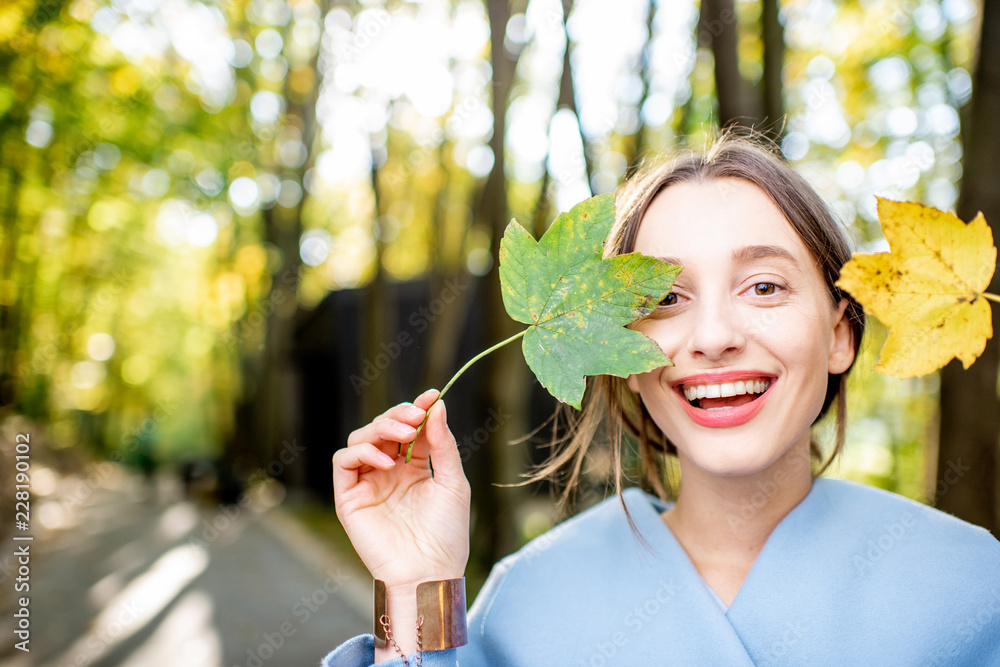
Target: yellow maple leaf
929	290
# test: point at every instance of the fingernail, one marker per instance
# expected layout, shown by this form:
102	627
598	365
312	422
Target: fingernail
388	460
414	411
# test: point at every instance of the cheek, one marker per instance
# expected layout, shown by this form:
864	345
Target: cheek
802	346
805	358
645	382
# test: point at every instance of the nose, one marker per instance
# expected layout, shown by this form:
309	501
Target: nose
717	333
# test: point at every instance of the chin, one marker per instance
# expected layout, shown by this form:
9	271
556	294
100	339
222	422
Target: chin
741	460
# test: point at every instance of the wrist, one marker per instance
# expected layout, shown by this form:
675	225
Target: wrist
438	605
410	587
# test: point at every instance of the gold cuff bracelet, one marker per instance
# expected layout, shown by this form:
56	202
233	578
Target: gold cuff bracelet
442	606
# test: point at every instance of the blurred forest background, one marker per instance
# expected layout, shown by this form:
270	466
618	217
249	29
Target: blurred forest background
233	231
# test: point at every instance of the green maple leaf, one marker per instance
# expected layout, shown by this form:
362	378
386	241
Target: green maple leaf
577	303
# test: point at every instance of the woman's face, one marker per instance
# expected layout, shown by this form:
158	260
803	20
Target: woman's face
749	326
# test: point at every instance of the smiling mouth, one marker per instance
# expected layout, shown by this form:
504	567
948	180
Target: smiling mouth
725	395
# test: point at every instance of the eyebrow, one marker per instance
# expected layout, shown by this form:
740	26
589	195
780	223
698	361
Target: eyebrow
751	253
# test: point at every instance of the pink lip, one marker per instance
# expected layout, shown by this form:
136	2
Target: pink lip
722	418
719	378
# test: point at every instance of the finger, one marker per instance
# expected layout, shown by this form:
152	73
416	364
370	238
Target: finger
420	446
405	412
348	461
426	399
443	448
387	430
394	425
410	413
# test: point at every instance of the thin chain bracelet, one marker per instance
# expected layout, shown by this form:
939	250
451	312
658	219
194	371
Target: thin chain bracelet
384	620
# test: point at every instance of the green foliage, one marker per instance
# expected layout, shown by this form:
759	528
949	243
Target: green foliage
118	141
577	303
114	175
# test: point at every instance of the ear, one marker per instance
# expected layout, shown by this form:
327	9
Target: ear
633	383
842	343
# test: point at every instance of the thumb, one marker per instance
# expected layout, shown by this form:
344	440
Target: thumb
443	448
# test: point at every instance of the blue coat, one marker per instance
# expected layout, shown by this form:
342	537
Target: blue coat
851	576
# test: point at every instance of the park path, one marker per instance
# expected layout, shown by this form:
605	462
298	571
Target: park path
141	577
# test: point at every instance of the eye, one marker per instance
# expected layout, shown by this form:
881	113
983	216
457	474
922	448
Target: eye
669	300
764	289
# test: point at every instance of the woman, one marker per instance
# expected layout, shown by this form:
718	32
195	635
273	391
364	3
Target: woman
759	560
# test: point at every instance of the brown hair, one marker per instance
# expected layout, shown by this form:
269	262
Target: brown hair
608	401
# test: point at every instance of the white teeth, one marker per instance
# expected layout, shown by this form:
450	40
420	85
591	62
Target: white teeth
726	389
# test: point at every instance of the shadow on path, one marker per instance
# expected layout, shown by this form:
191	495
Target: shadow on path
140	577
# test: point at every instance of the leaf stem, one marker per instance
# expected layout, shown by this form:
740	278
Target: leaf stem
991	296
409	449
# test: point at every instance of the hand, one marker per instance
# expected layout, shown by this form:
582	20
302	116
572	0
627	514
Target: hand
406	526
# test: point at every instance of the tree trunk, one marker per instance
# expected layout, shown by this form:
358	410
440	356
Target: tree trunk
378	321
272	422
10	314
496	527
970	410
446	328
11	140
718	25
567	95
773	37
641	141
566	100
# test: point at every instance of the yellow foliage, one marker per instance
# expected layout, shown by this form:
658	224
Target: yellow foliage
241	168
126	81
83	10
928	290
230	290
8	292
136	369
11	19
251	261
301	80
108	214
